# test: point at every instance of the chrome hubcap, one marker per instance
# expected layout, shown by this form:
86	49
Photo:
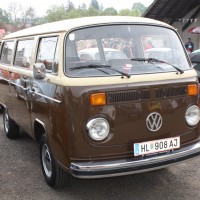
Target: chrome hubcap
6	122
46	161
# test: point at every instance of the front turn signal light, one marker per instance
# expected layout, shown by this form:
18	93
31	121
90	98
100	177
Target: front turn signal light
98	99
192	90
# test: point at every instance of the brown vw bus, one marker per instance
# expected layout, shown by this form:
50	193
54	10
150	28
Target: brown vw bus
103	96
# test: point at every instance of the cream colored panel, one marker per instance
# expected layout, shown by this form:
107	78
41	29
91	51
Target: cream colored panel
134	79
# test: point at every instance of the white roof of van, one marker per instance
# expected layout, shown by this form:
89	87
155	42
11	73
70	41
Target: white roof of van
66	25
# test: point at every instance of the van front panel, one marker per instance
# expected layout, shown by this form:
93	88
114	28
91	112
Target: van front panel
127	110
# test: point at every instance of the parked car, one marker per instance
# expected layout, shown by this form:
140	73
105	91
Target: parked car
196	51
164	54
94	54
195	59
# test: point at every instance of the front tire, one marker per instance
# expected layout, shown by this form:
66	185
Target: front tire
54	175
11	129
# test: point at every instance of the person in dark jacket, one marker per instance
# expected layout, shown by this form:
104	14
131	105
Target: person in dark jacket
189	45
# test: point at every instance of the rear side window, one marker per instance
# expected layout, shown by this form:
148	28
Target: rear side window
23	53
7	52
48	53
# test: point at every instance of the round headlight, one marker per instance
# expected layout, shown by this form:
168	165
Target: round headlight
98	128
192	115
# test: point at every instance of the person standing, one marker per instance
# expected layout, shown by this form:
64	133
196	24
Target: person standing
189	45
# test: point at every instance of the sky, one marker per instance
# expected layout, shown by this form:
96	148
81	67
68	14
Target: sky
41	6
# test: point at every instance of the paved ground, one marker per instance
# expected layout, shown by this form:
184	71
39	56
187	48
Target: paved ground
21	178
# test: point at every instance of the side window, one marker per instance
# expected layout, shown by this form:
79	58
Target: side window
23	53
55	63
7	52
48	53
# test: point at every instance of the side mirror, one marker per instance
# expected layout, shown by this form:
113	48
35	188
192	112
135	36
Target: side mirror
39	71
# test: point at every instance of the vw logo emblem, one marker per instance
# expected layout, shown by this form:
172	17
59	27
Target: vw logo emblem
154	121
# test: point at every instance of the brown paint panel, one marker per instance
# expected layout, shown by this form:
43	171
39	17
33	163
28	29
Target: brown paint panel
65	121
128	121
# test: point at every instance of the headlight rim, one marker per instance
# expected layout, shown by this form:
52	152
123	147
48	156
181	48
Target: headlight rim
92	121
186	114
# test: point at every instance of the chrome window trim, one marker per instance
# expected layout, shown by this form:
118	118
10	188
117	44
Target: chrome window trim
31	91
42	95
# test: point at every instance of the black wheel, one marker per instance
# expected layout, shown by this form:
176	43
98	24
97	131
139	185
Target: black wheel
11	129
54	175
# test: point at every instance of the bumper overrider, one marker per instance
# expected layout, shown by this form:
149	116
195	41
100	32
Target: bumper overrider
100	169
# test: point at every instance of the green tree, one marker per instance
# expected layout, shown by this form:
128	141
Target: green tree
5	17
128	12
92	11
39	20
139	7
82	10
94	4
56	13
136	13
27	17
109	11
125	12
101	8
83	6
74	14
70	6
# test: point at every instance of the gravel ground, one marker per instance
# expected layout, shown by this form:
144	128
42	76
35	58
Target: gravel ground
21	178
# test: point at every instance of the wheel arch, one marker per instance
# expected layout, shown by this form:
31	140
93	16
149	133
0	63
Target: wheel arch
39	129
2	106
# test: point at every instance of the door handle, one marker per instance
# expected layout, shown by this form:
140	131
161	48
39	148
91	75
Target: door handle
31	91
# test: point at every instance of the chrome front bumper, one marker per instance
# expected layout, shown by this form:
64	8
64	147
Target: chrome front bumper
132	166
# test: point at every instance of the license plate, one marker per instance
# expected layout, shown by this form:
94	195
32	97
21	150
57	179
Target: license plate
156	146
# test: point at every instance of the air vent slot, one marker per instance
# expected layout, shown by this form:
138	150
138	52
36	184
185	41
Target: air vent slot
128	96
170	92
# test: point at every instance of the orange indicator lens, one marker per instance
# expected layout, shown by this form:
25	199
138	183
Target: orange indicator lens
98	99
192	90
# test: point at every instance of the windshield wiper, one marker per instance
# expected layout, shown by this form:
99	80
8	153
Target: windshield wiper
153	60
98	67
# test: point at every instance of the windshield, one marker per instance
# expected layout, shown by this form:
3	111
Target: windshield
124	48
